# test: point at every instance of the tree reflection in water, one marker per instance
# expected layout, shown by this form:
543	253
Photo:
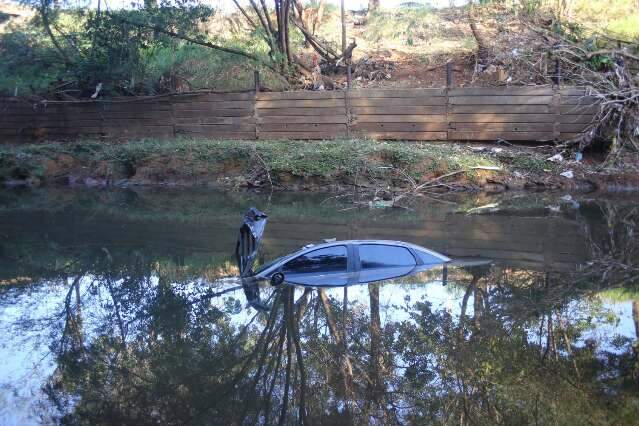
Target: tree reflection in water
138	340
516	352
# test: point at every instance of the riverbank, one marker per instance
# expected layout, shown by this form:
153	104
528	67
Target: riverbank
300	166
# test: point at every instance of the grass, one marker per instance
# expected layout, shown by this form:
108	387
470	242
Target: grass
185	159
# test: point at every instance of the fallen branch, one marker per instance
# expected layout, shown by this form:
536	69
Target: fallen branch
437	181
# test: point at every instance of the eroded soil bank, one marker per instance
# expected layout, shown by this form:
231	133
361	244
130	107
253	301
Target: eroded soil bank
304	166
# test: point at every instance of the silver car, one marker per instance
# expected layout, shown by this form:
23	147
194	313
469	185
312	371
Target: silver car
331	263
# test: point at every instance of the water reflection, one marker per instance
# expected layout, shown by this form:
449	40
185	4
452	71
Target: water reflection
120	325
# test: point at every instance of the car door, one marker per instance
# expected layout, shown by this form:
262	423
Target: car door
327	266
248	240
379	262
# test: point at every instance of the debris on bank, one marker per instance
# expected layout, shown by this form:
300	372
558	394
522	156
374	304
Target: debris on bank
386	170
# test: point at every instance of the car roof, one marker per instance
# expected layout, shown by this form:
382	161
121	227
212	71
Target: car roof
266	269
314	246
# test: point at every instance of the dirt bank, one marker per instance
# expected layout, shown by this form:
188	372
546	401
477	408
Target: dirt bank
384	167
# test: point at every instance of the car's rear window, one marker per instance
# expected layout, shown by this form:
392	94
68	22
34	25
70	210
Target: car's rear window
384	256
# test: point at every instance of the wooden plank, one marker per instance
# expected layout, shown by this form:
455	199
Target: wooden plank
138	115
573	128
301	127
573	119
16	131
500	100
215	120
302	135
269	96
213	97
501	118
400	110
399	119
206	106
579	100
69	116
499	109
213	113
407	136
337	119
568	135
214	128
378	102
502	91
401	127
223	135
300	103
136	129
396	93
134	123
303	111
498	127
53	124
573	91
486	135
8	117
118	106
579	109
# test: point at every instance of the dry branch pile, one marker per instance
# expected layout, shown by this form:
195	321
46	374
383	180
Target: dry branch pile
531	52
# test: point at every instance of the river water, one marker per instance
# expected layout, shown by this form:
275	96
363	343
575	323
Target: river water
120	307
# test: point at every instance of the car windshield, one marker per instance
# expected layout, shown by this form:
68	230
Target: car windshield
274	261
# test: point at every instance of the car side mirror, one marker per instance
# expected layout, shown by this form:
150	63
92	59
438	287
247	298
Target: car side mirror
277	279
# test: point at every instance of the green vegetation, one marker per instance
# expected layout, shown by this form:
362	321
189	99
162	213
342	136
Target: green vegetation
214	161
422	28
127	52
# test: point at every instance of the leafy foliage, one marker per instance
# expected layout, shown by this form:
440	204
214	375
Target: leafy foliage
127	50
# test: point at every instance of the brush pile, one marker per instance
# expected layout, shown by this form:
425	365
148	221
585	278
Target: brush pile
533	51
369	69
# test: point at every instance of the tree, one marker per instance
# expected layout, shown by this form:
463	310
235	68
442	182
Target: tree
482	42
373	6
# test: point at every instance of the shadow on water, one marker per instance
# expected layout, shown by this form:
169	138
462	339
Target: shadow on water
113	310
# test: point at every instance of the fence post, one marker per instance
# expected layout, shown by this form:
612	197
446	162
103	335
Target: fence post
556	107
449	85
256	77
557	77
347	106
173	124
256	116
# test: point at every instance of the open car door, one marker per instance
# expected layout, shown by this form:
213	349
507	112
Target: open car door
248	240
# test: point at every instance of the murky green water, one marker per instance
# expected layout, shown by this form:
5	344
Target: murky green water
114	309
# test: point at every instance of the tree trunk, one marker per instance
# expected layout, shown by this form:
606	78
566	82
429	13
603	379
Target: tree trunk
376	360
482	42
343	27
44	12
373	6
318	17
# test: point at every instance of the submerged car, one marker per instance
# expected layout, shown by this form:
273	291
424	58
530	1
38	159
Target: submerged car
330	263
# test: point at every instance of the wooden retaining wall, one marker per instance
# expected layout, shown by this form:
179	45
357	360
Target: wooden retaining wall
531	113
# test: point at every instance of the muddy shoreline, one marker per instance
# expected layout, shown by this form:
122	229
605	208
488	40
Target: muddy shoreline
385	168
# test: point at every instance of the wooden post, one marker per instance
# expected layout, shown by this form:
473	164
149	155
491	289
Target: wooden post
557	72
556	109
348	76
449	85
256	77
347	106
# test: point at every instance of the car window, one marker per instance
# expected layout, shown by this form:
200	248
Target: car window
372	256
326	260
428	258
